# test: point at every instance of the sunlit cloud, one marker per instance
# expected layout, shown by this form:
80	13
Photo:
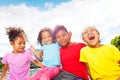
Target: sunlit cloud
74	14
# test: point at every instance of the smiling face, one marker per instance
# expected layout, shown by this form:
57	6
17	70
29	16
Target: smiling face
63	38
91	36
18	44
46	37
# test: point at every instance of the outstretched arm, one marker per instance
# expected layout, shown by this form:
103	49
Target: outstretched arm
39	55
4	72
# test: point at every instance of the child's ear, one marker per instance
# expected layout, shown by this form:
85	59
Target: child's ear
83	38
70	34
11	42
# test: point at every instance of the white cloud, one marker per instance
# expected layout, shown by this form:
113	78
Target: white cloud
74	15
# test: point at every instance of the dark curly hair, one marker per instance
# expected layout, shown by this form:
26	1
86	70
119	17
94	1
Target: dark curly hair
14	32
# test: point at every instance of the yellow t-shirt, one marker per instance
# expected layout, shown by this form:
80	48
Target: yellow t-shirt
102	62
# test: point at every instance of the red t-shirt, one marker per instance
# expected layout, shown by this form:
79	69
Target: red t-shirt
70	60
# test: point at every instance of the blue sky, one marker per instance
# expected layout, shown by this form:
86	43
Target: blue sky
35	3
31	2
32	15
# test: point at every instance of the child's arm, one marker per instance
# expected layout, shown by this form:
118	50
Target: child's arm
35	52
4	72
90	78
37	63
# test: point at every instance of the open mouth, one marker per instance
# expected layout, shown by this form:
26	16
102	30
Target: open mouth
91	37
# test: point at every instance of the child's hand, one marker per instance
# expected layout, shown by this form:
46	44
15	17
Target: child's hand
32	48
41	54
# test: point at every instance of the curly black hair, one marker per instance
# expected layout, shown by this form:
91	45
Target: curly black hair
14	32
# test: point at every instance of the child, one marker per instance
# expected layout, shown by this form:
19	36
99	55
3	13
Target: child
51	58
102	60
72	69
18	60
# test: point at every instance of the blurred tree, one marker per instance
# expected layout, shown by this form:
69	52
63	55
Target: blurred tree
116	42
1	66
